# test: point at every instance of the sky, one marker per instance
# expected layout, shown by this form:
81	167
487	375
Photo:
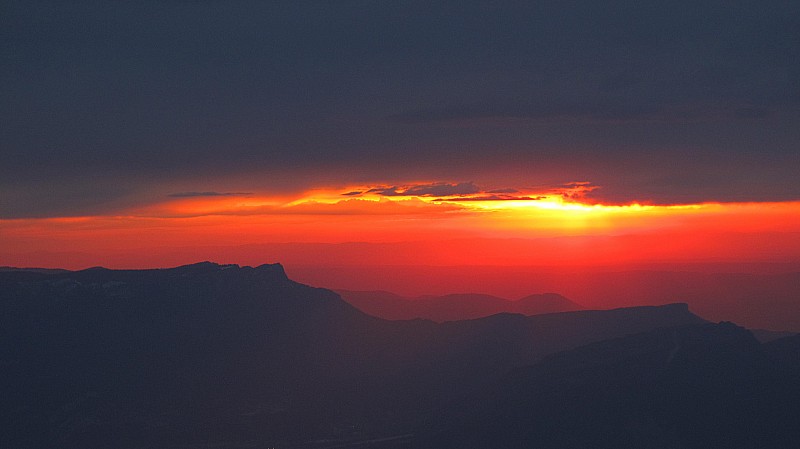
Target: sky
146	133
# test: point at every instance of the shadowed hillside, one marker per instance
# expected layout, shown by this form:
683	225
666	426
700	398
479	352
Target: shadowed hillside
229	356
757	296
697	386
452	307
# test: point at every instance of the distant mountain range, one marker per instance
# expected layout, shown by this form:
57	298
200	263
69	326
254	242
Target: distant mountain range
764	298
453	307
695	386
224	356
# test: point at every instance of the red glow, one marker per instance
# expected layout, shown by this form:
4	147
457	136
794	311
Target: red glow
594	254
545	230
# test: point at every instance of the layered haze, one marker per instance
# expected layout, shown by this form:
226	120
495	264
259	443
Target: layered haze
412	147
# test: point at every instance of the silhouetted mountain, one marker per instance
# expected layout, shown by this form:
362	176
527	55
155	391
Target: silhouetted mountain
544	303
766	336
787	351
762	296
35	270
227	356
463	306
697	386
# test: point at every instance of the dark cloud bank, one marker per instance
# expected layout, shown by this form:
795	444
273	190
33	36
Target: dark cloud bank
110	104
206	194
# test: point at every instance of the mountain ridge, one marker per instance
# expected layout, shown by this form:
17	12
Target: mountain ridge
453	306
692	386
210	352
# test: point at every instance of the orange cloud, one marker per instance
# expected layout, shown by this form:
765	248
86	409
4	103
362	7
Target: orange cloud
188	223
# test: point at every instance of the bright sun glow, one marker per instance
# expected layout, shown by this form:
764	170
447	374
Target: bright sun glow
429	216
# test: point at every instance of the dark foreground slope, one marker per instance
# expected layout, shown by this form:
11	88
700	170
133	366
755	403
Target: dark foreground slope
453	307
697	386
227	356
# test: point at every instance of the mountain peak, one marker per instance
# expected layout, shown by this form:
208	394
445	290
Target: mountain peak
199	267
207	267
276	268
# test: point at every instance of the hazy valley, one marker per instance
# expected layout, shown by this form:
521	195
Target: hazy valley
226	356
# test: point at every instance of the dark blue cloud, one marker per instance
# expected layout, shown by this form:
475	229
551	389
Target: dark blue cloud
493	198
434	189
679	100
206	194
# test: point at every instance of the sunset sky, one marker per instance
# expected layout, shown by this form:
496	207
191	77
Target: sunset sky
153	133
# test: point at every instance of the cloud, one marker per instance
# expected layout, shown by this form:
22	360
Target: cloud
596	108
206	194
434	189
356	206
667	101
575	191
492	198
547	109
